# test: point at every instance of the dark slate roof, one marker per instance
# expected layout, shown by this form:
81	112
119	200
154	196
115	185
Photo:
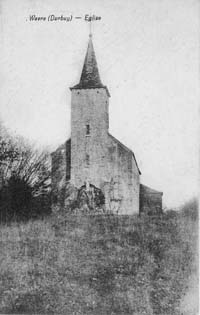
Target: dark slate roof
126	149
148	190
90	77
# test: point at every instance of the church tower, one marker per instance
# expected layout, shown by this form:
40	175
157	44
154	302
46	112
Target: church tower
89	124
92	157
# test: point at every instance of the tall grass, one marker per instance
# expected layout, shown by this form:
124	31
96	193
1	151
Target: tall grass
99	265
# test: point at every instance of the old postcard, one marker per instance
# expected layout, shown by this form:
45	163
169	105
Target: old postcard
99	157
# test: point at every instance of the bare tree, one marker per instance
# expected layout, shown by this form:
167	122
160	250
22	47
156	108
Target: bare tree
24	176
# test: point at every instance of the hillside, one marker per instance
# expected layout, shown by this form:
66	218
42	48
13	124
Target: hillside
100	265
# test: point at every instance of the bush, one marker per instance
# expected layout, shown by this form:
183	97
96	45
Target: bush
190	209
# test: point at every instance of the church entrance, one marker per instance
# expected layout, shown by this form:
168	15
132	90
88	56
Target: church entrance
91	198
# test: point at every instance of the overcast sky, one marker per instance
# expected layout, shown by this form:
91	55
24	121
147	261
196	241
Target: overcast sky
147	53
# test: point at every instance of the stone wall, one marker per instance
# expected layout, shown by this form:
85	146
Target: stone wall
99	158
88	151
124	175
93	156
60	173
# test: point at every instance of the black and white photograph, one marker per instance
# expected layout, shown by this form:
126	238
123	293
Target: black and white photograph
99	157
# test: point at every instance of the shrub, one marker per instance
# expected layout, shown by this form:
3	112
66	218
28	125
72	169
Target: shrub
190	209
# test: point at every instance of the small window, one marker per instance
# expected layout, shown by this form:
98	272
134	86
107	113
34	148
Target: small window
87	159
87	130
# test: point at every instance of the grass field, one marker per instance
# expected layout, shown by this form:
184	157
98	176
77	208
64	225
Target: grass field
100	265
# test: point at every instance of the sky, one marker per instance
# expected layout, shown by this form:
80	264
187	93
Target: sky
148	56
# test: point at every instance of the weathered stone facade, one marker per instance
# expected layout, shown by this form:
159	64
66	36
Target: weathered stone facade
92	157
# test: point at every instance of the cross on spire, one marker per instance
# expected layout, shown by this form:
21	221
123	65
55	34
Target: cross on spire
90	28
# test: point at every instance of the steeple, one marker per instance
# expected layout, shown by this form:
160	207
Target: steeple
90	77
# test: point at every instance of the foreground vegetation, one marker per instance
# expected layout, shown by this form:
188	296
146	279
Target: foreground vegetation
25	177
100	265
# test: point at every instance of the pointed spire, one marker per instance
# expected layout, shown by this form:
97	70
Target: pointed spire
90	78
90	74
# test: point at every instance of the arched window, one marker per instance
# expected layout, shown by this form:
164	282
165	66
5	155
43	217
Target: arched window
87	159
87	130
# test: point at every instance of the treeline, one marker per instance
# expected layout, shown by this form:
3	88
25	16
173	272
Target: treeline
24	179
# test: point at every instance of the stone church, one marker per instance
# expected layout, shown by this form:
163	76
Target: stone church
93	161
